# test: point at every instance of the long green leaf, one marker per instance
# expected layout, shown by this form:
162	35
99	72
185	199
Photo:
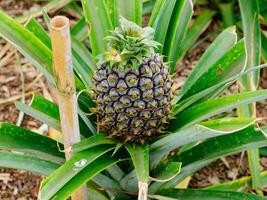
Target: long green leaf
205	130
227	12
155	11
236	142
95	194
140	158
180	106
216	50
177	29
148	7
190	194
230	64
85	55
80	30
198	26
83	62
211	107
85	175
130	9
92	141
48	112
68	171
253	155
116	172
84	120
130	182
264	47
166	171
96	14
160	20
210	150
106	182
16	138
36	28
252	32
43	110
27	162
28	44
113	12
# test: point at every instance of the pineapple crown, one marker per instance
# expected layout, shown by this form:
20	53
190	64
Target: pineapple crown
128	46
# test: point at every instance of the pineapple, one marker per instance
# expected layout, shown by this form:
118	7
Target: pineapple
132	86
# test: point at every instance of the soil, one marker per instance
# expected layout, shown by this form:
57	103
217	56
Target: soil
18	79
19	7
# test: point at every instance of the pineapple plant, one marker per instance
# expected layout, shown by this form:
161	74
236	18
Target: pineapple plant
141	139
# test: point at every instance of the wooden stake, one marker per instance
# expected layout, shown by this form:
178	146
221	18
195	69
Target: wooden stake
67	100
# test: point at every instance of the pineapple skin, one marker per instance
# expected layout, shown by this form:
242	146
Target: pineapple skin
133	105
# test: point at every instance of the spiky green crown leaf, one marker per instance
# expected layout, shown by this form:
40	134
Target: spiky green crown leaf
128	46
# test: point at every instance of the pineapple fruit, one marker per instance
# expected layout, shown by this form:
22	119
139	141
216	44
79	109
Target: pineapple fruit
132	86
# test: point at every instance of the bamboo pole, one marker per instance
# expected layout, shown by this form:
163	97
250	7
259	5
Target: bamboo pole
67	100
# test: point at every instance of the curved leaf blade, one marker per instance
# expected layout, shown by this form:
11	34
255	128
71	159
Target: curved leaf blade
230	64
85	175
177	29
140	159
205	130
212	149
130	10
160	19
48	113
211	107
226	40
198	26
43	110
27	162
166	172
36	28
77	163
96	14
19	139
252	34
183	104
28	44
92	141
80	30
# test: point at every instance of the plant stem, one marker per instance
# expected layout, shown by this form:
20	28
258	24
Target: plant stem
254	166
227	12
67	100
143	189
